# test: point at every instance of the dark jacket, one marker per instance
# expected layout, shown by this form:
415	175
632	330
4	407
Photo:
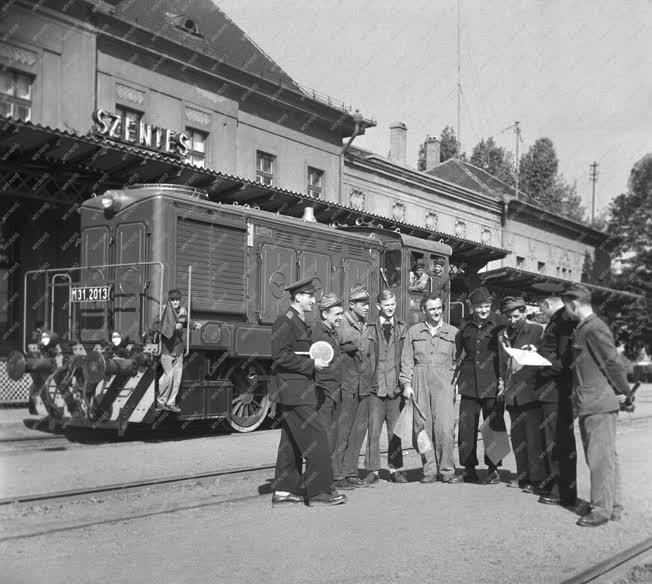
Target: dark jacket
357	356
554	383
397	339
173	340
329	379
477	346
598	372
294	374
520	386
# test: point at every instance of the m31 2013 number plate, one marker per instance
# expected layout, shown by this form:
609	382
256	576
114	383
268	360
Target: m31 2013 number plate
90	293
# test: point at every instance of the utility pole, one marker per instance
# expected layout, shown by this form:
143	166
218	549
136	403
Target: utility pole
593	177
459	77
517	131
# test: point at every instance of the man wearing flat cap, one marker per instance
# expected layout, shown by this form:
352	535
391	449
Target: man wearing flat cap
357	378
439	280
329	380
517	389
476	352
419	280
600	388
303	434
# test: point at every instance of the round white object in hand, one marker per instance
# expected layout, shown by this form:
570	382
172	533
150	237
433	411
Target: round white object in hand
321	350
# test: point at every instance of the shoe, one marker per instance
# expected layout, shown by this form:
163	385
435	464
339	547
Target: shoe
592	520
549	500
283	500
493	478
342	484
398	477
370	479
428	478
470	476
326	499
579	507
173	408
452	479
531	490
616	516
356	482
516	484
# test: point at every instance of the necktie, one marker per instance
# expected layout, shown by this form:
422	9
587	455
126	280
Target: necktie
387	330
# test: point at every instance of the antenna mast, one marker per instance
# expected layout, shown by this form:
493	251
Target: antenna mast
459	80
517	131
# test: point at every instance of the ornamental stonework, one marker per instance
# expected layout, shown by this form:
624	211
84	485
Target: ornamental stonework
432	221
129	94
485	237
197	117
358	199
18	54
460	228
398	211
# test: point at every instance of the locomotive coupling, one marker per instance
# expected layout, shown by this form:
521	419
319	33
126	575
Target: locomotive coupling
96	366
18	365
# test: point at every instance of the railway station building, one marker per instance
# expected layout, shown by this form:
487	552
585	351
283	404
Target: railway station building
99	94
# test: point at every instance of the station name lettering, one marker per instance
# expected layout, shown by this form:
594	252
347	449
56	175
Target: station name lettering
140	133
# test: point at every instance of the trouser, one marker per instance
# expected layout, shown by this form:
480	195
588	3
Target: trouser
598	432
467	430
526	435
345	409
326	410
303	435
437	407
559	451
168	386
383	410
356	437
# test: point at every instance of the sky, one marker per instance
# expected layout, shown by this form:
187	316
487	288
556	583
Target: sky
579	73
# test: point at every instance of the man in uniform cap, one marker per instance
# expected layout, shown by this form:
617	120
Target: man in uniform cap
418	277
476	352
329	380
517	390
357	379
440	282
599	389
303	434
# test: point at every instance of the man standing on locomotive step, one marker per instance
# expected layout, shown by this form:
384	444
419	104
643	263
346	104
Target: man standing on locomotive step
477	356
388	335
173	346
357	377
303	434
329	380
600	389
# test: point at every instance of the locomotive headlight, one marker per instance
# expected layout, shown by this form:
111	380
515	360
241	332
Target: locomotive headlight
116	339
112	201
45	339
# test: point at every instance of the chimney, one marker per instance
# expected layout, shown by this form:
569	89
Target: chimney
398	143
433	153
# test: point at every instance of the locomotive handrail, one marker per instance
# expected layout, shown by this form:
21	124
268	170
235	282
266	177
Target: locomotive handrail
78	268
52	282
185	354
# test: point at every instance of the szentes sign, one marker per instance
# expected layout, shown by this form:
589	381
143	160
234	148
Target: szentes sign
140	134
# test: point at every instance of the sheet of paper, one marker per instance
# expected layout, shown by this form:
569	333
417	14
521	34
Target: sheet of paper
496	442
528	357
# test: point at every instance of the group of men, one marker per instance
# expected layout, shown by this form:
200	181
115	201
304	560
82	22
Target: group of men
327	408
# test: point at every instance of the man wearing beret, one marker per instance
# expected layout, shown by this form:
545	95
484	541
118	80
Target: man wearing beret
440	282
303	434
517	390
476	352
554	386
357	378
329	380
599	389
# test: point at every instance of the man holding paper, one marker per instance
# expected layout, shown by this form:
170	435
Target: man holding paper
517	384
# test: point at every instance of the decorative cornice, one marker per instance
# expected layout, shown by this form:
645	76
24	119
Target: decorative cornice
18	54
129	94
198	117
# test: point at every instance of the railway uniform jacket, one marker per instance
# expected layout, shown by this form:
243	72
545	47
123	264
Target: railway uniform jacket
329	379
477	345
386	371
555	382
357	356
520	386
294	374
598	373
173	340
442	285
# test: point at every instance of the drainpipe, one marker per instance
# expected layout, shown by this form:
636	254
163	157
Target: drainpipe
357	118
503	220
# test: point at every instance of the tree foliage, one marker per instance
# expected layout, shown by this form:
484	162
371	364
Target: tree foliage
494	159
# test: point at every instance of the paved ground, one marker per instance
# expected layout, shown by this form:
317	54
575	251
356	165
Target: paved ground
387	533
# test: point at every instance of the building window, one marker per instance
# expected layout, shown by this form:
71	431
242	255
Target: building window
315	182
563	272
541	267
558	271
129	121
16	95
520	263
197	147
265	167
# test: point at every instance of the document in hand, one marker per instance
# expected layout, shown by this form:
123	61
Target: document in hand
528	357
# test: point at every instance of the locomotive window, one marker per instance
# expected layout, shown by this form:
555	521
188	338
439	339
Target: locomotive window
391	269
419	278
197	151
265	166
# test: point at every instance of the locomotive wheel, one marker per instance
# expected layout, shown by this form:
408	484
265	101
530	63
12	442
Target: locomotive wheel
250	399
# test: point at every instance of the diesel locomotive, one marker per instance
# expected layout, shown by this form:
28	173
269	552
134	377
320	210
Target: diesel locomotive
94	359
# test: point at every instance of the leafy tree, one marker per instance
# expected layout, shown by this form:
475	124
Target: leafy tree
494	159
564	196
448	144
631	219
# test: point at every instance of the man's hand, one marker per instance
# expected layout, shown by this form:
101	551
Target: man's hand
501	389
320	364
197	325
408	392
529	348
179	326
272	410
621	397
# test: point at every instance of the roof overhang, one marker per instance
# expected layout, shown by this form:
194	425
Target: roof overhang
540	285
62	167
